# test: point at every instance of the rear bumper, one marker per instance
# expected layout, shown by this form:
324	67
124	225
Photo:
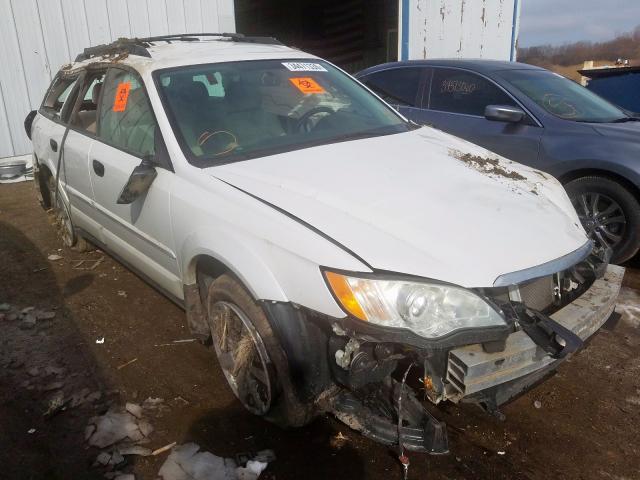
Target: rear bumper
471	371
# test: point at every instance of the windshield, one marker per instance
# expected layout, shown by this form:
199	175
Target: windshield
562	97
226	112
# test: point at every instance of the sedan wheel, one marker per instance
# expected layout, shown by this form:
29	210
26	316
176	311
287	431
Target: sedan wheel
601	217
610	214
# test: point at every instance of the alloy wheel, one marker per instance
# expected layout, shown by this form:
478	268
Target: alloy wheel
243	357
602	218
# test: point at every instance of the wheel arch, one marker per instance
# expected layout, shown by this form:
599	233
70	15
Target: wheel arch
43	173
204	261
600	172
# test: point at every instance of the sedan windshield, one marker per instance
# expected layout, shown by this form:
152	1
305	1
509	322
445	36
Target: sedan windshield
562	97
226	112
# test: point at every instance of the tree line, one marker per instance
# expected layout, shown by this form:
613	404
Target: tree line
625	46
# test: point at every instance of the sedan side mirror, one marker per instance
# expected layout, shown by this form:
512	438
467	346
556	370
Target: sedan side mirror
504	113
139	182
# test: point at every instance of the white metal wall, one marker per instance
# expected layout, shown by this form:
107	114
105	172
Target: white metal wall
38	36
458	29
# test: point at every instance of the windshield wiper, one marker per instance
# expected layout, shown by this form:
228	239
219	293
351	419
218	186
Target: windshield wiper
626	119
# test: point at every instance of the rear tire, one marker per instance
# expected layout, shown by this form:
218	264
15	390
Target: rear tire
609	213
63	223
250	355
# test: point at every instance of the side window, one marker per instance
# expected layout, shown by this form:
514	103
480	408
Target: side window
398	86
86	116
126	119
457	91
57	96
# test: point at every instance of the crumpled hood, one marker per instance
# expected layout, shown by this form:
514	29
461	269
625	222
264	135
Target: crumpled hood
417	203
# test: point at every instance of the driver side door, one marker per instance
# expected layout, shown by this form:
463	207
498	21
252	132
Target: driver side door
139	232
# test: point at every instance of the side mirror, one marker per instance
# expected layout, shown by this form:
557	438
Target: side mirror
28	122
504	113
139	182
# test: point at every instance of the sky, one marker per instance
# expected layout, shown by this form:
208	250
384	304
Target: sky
564	21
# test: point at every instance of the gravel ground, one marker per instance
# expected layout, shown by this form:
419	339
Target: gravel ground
587	425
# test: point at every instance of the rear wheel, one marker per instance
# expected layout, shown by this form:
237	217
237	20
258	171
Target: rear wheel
609	213
63	220
250	355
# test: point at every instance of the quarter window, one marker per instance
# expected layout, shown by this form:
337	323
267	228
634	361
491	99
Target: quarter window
57	96
126	118
457	91
397	86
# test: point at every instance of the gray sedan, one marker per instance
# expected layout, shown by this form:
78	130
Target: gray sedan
538	118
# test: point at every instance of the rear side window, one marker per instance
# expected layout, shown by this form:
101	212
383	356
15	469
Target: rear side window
57	96
457	91
126	119
397	86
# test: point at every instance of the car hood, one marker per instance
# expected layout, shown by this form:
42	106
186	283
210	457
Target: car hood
417	203
620	131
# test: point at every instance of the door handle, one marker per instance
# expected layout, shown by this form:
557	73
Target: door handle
98	167
53	144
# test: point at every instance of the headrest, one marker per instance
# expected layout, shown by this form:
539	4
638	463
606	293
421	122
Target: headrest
95	93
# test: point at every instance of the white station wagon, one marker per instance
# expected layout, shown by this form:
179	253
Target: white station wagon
338	257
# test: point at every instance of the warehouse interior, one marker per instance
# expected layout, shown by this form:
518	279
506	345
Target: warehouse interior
352	34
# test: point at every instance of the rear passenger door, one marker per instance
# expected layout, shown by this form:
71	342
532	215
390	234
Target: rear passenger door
455	103
400	87
140	232
48	130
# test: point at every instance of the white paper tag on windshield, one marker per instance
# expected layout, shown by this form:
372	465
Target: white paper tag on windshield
304	67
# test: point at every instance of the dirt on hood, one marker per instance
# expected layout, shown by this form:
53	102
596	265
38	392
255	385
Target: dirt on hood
488	165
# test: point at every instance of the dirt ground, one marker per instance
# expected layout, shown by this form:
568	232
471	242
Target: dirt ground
587	426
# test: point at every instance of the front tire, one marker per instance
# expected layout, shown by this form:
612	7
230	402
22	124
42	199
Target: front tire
609	213
250	355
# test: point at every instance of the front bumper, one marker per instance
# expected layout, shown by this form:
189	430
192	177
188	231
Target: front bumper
471	370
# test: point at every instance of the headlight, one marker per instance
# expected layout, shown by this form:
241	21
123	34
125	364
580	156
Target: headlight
430	310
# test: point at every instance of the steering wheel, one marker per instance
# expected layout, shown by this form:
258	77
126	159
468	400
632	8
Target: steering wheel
221	140
303	122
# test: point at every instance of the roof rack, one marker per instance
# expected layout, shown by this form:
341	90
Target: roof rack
138	46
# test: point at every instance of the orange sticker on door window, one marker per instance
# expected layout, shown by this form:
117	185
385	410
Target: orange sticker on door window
122	95
306	85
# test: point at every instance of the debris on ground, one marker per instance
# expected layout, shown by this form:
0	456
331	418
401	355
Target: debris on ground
120	367
186	462
114	427
338	441
176	342
100	340
54	257
537	404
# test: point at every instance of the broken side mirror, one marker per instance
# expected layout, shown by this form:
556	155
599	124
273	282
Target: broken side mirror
140	180
28	122
504	113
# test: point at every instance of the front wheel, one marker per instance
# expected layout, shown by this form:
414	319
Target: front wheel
609	213
250	355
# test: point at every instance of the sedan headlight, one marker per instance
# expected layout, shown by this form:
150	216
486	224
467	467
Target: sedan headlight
430	310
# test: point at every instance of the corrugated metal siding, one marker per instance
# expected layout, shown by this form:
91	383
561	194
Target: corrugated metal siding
459	29
38	36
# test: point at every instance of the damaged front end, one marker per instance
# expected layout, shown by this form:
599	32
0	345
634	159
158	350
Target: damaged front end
385	373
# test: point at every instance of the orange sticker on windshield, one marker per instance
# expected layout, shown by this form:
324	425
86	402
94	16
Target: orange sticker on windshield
122	95
306	85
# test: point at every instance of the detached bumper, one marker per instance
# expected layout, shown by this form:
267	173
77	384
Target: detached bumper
471	371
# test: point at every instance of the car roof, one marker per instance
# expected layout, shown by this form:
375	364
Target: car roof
478	65
144	55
